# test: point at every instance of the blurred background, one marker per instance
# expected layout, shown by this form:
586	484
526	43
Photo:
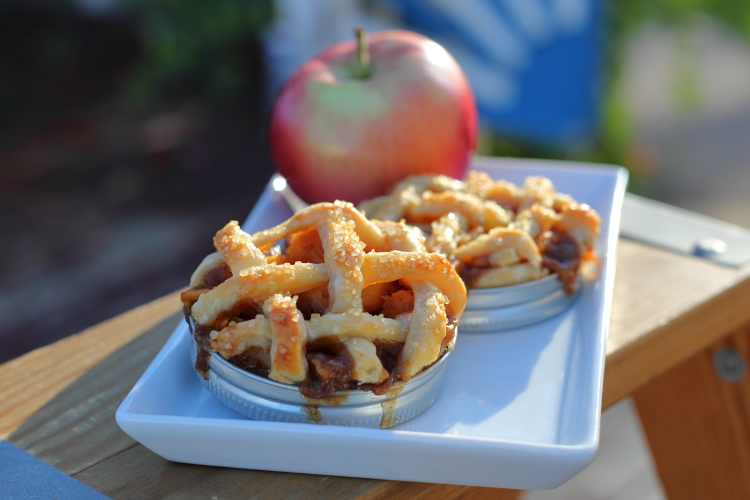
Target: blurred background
130	130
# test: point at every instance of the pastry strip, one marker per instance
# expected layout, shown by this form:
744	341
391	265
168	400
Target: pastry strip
426	330
237	249
344	254
509	275
321	330
314	215
477	211
367	367
288	362
254	286
498	239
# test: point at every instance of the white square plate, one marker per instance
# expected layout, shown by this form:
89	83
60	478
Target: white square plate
519	409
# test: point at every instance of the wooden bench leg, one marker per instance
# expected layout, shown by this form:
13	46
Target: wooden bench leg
698	426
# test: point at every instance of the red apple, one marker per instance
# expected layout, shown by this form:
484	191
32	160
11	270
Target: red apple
347	128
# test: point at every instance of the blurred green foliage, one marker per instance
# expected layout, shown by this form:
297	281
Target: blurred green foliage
195	46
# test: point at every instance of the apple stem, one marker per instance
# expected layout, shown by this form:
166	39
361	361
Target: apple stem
363	55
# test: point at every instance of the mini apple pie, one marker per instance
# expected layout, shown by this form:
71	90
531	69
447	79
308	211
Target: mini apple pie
495	232
327	300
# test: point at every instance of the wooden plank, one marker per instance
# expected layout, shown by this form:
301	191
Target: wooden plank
76	429
140	474
30	381
654	286
666	308
698	426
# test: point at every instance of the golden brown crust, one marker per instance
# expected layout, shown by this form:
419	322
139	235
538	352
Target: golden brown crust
344	254
315	214
254	286
501	238
236	249
477	212
492	230
326	305
366	366
446	233
582	224
426	330
289	337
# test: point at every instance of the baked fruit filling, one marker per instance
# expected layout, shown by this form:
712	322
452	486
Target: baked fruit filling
328	301
495	232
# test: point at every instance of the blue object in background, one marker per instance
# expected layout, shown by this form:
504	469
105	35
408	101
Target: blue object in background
23	477
534	65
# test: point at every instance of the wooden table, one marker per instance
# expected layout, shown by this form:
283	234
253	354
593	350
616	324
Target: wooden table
670	314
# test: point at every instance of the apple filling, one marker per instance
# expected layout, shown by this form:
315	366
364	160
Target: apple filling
328	301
